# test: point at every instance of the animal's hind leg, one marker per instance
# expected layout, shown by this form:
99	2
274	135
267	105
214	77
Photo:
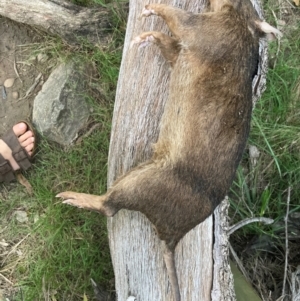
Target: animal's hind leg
127	192
169	46
87	201
174	17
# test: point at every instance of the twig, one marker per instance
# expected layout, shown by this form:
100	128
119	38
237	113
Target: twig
14	247
30	90
249	221
239	263
280	8
7	280
88	133
3	229
11	266
272	161
286	240
16	70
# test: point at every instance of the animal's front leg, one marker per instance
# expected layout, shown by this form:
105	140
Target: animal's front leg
168	45
87	201
174	17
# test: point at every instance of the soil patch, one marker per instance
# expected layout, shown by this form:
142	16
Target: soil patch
18	62
23	63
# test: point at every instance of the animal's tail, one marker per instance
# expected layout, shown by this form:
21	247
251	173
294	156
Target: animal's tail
171	269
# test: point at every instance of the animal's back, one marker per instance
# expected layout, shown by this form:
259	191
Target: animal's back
206	120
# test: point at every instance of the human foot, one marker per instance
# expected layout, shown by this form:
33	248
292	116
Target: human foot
16	147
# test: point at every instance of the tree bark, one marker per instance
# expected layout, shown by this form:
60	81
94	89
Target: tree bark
58	17
202	255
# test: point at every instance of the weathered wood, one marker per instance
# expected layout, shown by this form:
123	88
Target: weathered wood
203	269
135	249
58	17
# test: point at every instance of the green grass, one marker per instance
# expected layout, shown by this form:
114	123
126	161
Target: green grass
62	247
72	244
262	190
66	247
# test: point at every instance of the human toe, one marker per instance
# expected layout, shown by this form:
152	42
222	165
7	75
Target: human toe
26	136
29	148
19	128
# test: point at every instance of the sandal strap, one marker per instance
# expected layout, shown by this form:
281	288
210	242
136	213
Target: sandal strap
22	158
18	152
6	170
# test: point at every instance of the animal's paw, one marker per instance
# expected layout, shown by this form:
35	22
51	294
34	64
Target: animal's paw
148	11
142	41
72	198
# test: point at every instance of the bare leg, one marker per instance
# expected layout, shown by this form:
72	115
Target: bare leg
175	18
168	45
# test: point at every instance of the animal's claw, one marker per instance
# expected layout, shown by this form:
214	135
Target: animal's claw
142	41
69	198
148	12
72	202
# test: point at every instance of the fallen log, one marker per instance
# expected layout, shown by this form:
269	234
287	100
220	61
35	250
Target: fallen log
58	17
202	255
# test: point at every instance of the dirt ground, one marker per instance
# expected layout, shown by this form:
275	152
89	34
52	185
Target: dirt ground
21	61
18	62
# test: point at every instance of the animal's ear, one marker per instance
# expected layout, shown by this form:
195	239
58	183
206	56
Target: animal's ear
270	31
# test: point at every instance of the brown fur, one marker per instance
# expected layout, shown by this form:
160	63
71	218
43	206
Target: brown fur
205	125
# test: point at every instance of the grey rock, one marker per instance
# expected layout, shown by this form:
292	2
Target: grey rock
60	110
21	216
